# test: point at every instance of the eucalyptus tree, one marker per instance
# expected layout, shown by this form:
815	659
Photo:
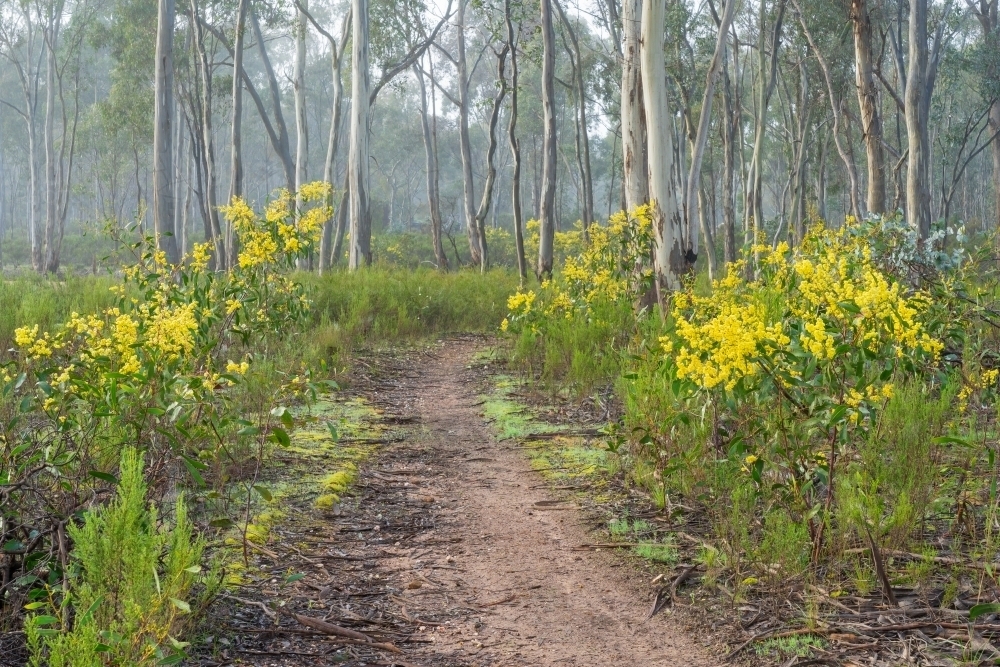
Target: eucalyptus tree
547	227
163	134
669	260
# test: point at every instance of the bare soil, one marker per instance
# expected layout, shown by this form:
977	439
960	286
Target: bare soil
454	551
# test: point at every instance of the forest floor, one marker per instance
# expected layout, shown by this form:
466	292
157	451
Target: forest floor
450	548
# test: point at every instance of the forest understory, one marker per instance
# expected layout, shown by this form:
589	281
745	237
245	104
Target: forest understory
479	531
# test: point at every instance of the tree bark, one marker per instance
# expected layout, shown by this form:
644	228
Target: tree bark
701	137
491	171
586	178
729	142
633	118
918	193
163	135
358	169
433	196
282	146
515	149
465	143
333	140
208	156
871	121
548	195
236	134
767	78
669	261
301	123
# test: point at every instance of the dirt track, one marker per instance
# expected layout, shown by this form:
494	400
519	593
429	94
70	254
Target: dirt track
548	603
473	554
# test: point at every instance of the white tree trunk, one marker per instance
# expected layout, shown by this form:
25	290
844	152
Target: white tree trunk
633	119
669	261
361	231
163	135
918	194
465	143
301	127
236	133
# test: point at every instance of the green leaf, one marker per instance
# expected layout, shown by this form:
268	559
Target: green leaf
280	436
45	620
31	606
333	431
103	476
13	546
181	604
221	523
983	609
952	440
294	577
194	569
172	659
264	492
192	468
248	431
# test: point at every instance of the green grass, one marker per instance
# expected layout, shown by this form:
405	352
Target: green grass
29	300
380	306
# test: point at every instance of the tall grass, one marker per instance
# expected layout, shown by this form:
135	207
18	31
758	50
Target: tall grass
382	305
29	300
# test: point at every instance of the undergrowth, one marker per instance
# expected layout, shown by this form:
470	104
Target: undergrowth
824	410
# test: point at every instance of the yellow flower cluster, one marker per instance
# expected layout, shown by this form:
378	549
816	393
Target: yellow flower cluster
828	300
723	348
34	346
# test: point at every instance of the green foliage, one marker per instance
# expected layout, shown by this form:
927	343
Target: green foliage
382	305
129	582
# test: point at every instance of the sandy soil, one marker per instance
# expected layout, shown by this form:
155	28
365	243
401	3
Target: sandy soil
544	602
453	549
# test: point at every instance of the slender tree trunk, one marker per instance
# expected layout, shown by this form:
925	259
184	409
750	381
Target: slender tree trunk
236	135
211	178
301	125
433	198
871	119
633	117
163	135
515	149
548	195
918	194
282	148
586	178
729	142
701	138
767	77
358	170
465	143
670	263
491	171
338	239
854	192
51	195
333	141
995	150
801	153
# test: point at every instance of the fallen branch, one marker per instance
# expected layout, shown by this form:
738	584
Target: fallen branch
344	633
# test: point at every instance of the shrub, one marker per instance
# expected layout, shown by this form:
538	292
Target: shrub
128	583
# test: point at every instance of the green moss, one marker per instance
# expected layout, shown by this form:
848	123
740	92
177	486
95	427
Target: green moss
326	501
338	482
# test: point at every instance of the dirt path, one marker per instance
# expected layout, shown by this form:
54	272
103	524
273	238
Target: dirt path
543	603
452	548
